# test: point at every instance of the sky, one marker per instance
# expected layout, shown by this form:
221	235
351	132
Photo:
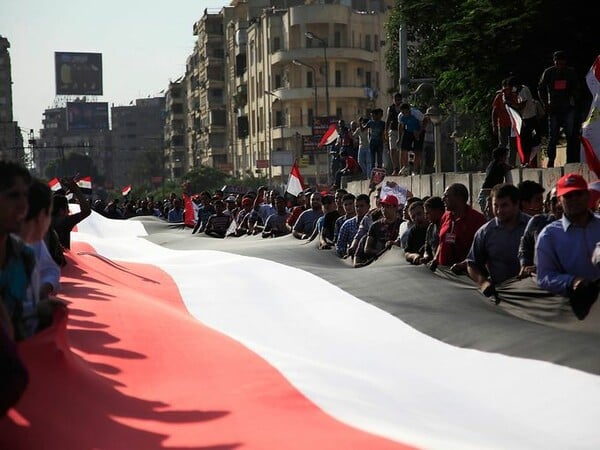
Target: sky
144	45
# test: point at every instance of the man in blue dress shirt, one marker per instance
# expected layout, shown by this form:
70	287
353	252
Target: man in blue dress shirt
565	247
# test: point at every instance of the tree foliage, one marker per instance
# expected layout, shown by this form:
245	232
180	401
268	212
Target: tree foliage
74	164
469	46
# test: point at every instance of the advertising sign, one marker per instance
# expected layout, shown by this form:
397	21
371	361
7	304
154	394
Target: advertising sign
282	158
87	116
78	73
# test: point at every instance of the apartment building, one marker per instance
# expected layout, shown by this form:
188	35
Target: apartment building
175	158
60	136
11	140
137	141
262	71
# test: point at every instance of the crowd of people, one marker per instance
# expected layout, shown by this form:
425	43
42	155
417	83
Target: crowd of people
521	233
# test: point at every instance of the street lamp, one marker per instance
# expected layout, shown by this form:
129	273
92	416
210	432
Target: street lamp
435	116
314	72
271	127
313	36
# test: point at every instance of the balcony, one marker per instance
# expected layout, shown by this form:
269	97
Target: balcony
291	94
314	55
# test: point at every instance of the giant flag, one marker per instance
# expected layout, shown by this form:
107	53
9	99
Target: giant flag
204	349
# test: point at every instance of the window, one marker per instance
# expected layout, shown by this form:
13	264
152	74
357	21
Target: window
376	43
368	42
338	78
278	81
311	116
309	79
279	119
338	112
337	39
276	44
368	79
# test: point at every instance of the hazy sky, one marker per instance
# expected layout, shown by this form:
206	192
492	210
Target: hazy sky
144	45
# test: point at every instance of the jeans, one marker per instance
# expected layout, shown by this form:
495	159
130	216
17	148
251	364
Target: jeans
556	120
364	160
376	149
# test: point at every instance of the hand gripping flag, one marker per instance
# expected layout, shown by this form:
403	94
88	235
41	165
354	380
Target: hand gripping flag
590	130
330	136
126	191
296	182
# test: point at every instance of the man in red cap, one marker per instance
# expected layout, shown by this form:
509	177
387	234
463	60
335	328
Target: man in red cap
565	247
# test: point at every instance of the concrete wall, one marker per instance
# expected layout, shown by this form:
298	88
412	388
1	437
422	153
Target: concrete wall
435	184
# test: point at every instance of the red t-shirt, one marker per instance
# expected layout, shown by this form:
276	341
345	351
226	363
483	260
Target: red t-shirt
456	235
352	165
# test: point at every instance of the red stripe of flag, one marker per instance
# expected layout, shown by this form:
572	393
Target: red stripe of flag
330	136
54	184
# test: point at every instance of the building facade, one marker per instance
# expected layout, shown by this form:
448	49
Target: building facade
57	142
11	139
262	71
175	159
137	142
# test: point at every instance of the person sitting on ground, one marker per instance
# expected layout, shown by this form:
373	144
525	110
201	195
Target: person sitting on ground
302	204
535	226
458	226
305	224
205	210
532	197
415	241
276	224
219	222
351	168
493	255
348	212
339	200
231	206
407	223
17	261
264	203
350	227
434	210
244	217
564	249
111	211
176	212
32	233
497	172
62	221
383	233
330	215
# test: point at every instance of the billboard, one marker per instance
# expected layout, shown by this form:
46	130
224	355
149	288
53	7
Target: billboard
87	116
78	73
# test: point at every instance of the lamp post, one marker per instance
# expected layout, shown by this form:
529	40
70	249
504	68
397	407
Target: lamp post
313	36
271	127
314	72
435	115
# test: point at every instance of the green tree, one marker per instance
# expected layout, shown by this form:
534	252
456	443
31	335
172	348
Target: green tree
469	46
74	164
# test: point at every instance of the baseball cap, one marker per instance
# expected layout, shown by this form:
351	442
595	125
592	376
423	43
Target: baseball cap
231	198
571	182
391	200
